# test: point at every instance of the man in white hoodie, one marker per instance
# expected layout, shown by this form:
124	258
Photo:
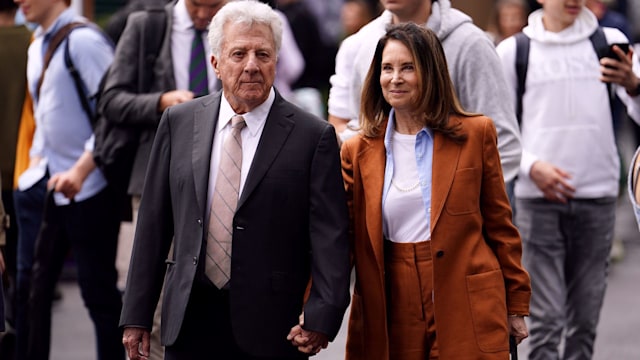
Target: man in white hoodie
473	65
568	180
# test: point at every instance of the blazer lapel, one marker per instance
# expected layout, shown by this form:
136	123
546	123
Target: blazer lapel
372	166
204	126
445	162
277	128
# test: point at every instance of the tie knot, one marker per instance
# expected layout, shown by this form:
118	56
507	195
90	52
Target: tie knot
237	121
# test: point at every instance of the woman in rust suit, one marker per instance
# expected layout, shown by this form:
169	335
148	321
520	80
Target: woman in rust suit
436	256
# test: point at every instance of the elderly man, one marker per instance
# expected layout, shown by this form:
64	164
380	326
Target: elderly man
249	189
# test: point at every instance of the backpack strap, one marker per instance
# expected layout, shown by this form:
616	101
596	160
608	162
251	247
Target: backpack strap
523	42
601	47
55	42
522	63
79	84
81	88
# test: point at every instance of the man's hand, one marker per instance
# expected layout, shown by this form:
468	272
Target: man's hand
619	71
307	341
69	182
518	328
552	181
174	97
136	343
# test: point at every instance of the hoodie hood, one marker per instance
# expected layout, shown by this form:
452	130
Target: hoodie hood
444	19
585	24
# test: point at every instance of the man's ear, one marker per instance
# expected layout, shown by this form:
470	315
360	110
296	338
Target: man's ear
214	63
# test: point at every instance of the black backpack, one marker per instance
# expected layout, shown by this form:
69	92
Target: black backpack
600	45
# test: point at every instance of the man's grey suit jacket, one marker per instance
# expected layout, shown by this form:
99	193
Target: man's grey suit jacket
121	102
291	225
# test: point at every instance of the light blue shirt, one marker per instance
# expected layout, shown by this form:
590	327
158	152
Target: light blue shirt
424	162
63	130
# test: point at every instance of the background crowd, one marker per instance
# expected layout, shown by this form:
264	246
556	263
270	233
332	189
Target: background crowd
326	51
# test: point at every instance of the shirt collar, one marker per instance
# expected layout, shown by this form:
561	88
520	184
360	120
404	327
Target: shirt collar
254	119
388	135
181	18
63	19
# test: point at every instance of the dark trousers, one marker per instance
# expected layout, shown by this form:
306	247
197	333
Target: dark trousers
90	229
29	206
206	331
9	252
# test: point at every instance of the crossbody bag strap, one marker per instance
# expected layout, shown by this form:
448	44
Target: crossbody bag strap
56	40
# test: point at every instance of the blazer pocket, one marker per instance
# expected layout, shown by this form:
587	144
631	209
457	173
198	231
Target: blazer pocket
464	196
488	305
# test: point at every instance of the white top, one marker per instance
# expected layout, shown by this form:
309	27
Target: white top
250	134
566	117
403	213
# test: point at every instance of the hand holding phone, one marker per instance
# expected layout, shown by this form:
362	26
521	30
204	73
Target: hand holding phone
611	54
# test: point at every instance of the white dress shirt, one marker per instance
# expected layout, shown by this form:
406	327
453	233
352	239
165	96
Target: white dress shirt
181	39
250	134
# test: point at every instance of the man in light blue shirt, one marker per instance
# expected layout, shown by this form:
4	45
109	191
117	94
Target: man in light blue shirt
78	213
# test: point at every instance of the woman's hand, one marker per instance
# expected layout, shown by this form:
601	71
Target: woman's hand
518	328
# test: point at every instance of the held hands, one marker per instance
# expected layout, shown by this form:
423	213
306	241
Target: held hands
518	328
552	181
620	71
307	341
136	343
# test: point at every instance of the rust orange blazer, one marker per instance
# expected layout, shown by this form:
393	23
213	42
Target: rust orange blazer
477	274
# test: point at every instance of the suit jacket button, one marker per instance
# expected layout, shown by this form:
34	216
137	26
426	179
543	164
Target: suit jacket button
200	222
439	253
195	260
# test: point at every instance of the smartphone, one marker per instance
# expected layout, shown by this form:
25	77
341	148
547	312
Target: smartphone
611	54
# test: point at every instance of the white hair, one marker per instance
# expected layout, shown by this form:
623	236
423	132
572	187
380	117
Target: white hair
247	12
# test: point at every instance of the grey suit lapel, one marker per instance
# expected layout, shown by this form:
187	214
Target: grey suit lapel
277	128
205	119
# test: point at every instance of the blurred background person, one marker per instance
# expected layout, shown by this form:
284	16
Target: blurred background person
14	41
309	90
569	177
79	212
509	17
430	216
356	14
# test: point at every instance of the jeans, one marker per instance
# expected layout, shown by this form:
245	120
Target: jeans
29	205
566	251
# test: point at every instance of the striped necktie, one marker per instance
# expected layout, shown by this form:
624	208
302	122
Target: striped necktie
198	81
223	206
